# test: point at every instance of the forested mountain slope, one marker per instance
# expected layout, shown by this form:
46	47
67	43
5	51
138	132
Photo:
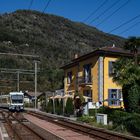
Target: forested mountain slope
55	39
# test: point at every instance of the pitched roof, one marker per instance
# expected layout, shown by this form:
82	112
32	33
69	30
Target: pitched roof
32	94
104	51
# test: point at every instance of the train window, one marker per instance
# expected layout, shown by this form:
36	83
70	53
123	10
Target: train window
17	98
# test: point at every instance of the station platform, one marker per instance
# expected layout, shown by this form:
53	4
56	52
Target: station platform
3	133
73	118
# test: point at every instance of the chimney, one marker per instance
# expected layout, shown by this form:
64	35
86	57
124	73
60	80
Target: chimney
75	55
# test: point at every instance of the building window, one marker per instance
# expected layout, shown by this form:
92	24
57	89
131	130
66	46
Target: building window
69	77
87	73
111	68
88	93
114	96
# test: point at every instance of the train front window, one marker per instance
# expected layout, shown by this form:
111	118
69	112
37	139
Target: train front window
17	99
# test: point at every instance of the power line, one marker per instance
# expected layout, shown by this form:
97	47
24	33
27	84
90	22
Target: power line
110	7
113	12
20	70
30	5
24	55
16	72
124	23
129	28
100	6
46	6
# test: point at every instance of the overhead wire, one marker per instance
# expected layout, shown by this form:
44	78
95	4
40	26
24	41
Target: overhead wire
129	28
124	4
46	6
130	20
30	5
106	10
98	8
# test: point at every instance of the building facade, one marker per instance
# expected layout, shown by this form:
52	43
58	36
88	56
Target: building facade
91	75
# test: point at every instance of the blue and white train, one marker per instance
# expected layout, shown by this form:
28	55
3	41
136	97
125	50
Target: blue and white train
14	101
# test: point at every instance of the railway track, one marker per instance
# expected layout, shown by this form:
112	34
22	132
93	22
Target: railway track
96	133
18	127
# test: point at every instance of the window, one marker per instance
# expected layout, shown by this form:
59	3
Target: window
114	96
88	93
69	93
111	69
17	98
87	73
69	77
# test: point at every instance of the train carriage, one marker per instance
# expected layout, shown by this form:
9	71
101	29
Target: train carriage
16	101
4	101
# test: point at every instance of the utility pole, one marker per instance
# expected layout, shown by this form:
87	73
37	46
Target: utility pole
18	81
35	84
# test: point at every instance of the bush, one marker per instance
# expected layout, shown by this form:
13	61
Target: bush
133	124
134	99
29	105
126	121
86	119
92	112
119	117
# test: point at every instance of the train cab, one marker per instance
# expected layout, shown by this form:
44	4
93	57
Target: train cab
16	101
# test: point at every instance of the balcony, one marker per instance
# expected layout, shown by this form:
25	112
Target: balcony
85	80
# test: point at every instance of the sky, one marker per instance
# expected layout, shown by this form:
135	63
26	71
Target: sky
118	17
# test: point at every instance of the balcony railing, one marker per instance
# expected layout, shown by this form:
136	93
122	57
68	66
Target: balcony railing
85	80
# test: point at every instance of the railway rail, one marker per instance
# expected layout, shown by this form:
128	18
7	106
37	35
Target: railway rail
18	127
96	133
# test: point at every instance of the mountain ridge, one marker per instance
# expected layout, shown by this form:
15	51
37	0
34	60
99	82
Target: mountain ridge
53	38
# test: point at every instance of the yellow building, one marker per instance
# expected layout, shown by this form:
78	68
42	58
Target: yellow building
91	75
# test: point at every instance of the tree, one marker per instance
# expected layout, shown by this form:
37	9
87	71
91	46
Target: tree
127	74
57	106
79	103
69	109
61	107
49	107
133	44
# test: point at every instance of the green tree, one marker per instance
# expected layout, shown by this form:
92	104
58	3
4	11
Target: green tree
127	74
78	100
69	109
61	107
49	107
57	106
133	44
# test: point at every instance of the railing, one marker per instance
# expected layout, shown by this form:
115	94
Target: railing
85	80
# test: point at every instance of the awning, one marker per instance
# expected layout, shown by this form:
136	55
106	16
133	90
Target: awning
51	97
68	96
58	97
86	97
